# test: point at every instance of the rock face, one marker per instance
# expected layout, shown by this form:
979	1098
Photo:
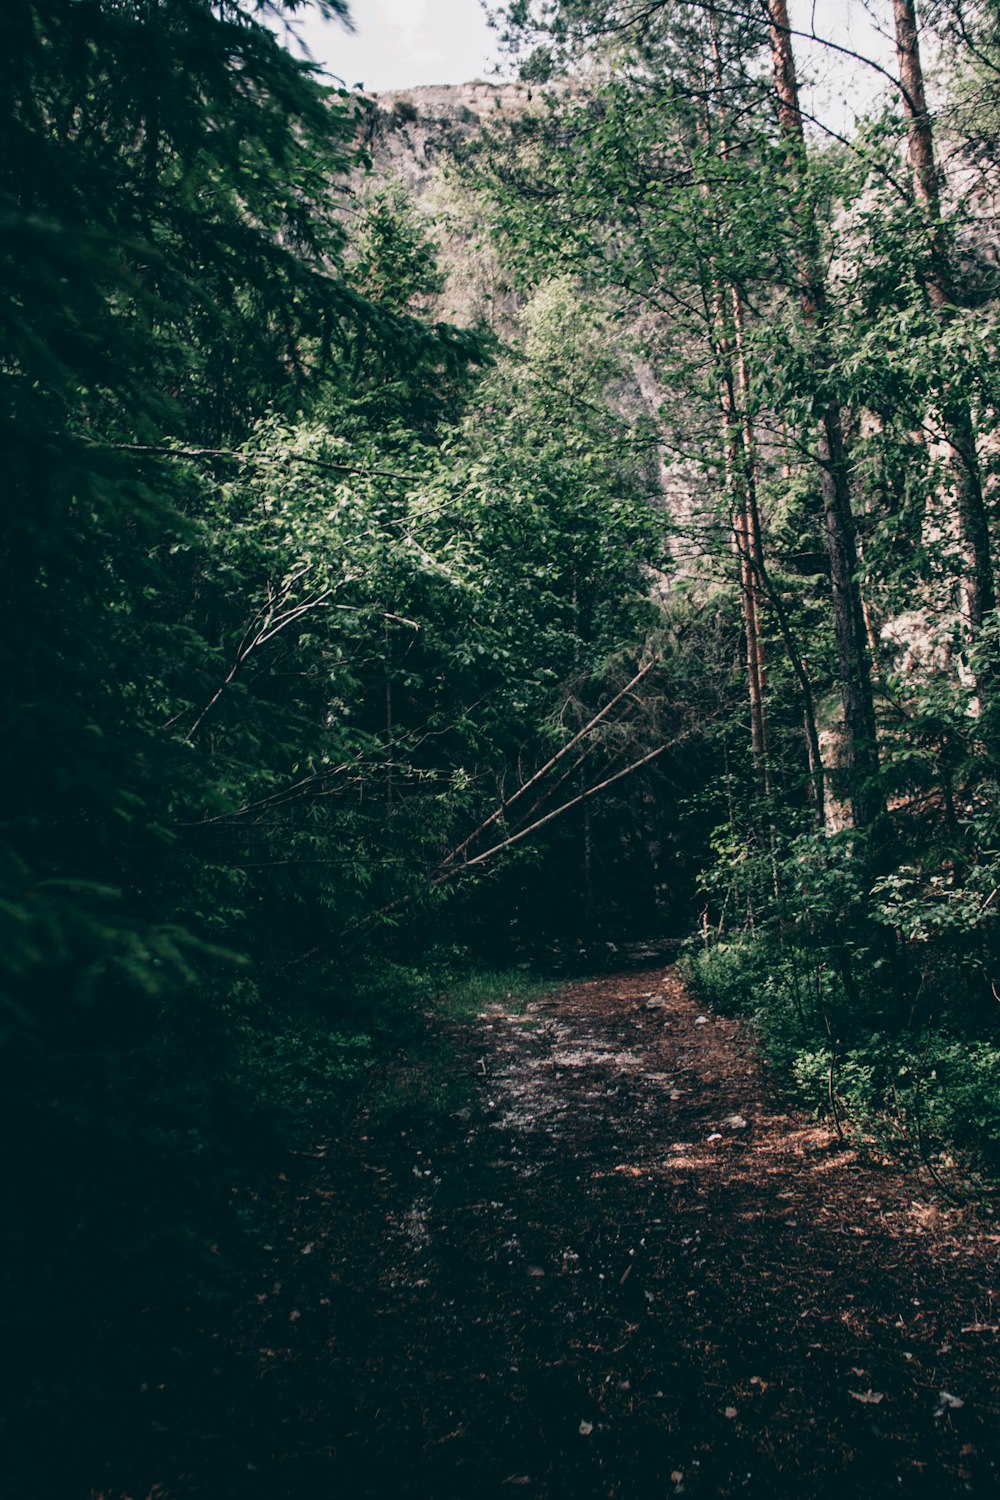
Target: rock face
411	132
412	137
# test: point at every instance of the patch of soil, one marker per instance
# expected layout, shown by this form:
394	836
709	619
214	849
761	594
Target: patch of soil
626	1270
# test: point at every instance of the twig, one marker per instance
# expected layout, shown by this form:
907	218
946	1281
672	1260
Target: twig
164	450
272	622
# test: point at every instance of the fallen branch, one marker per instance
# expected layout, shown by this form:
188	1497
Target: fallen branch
540	823
532	780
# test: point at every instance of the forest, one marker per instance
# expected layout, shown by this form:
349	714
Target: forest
418	598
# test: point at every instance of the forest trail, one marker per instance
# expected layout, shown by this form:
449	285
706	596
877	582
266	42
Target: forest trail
624	1269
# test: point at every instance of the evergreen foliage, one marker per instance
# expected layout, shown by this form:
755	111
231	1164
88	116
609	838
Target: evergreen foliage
299	578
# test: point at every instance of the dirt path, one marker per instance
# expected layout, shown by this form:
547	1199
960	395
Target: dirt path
624	1271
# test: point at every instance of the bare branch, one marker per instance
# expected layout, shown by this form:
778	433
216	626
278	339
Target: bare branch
164	450
533	827
570	744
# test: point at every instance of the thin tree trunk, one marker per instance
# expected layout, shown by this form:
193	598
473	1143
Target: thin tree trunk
738	448
762	583
736	467
588	868
926	178
756	582
390	748
848	620
752	528
755	654
978	586
795	659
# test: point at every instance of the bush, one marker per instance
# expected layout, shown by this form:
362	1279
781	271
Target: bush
299	1074
793	999
927	1093
923	1091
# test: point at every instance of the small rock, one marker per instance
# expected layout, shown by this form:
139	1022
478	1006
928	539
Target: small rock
701	1021
735	1122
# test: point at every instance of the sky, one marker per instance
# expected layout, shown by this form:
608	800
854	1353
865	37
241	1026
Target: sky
836	88
400	44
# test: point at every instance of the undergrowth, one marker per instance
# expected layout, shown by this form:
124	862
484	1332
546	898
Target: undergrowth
926	1091
465	996
299	1067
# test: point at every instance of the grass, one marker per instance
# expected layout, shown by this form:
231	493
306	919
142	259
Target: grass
434	1076
485	989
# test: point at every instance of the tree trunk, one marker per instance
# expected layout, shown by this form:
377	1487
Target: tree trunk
390	748
741	460
978	587
749	534
848	619
926	179
754	547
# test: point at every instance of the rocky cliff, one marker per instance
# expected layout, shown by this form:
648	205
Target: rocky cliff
412	137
